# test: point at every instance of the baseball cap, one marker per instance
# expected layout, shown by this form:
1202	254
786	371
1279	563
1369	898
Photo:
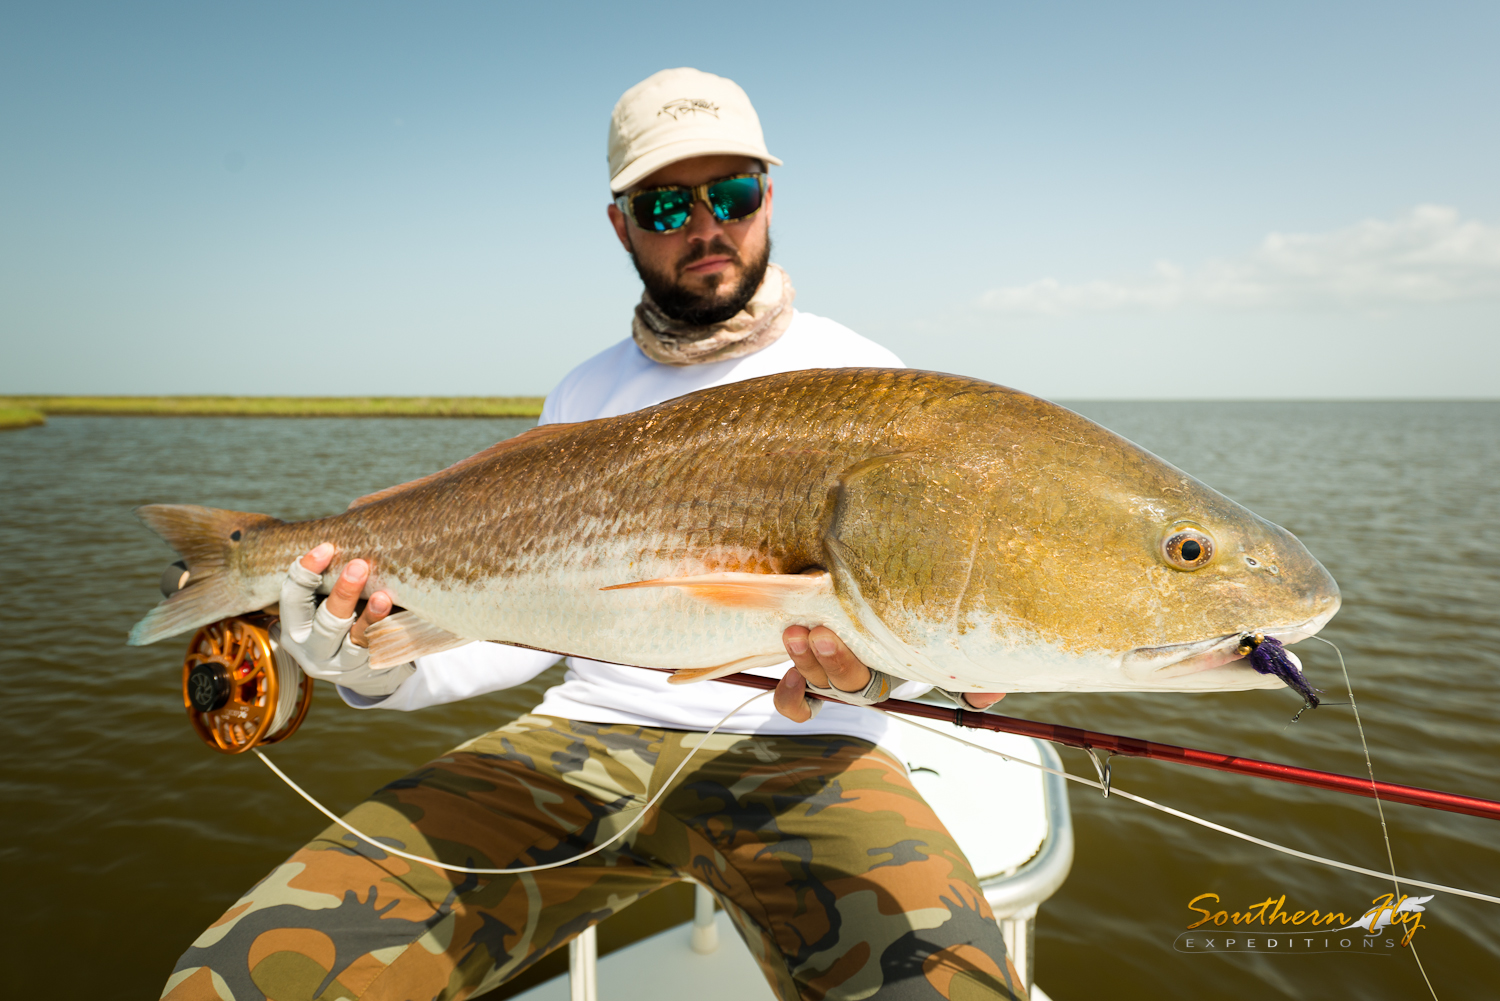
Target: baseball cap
675	114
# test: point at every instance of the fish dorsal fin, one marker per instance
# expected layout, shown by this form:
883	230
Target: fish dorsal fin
531	437
405	636
732	589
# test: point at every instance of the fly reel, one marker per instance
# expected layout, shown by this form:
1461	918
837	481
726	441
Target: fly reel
240	689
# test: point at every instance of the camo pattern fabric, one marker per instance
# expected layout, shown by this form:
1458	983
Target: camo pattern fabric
838	875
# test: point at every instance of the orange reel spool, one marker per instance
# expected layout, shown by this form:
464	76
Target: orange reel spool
237	692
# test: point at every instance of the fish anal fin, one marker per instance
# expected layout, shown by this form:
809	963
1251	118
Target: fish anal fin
405	636
732	589
687	677
525	438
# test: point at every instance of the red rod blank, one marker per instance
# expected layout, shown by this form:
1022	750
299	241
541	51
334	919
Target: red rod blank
1135	748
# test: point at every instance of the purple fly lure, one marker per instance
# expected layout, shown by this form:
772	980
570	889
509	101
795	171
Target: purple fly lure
1268	656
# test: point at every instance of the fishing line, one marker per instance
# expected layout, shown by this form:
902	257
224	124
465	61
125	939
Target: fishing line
291	676
1201	822
1379	808
667	785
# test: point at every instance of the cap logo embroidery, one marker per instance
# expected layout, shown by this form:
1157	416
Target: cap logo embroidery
688	105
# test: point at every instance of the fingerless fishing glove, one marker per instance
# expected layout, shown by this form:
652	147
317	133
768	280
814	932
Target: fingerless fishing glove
320	642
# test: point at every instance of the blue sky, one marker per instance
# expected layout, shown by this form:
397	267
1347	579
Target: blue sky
1080	200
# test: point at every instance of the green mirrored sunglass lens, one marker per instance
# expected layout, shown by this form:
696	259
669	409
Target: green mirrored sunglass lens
735	198
663	209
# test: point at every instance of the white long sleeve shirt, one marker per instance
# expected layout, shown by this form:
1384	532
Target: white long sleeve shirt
617	381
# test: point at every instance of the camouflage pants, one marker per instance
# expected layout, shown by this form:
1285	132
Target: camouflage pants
836	872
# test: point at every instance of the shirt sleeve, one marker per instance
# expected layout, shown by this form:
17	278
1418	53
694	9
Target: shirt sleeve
910	690
475	669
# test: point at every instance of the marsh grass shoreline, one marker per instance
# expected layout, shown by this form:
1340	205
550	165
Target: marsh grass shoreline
24	411
19	417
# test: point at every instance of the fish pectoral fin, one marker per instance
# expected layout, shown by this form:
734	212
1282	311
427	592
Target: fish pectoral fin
405	636
687	677
732	589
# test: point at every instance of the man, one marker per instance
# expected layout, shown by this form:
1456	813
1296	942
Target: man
837	874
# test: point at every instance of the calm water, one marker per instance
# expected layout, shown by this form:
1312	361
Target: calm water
125	836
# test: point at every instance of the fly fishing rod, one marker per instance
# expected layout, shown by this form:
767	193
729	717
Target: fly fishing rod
242	692
1093	741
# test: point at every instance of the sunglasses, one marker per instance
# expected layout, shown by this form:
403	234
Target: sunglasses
666	210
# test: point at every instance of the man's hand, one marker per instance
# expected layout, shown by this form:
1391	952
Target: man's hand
329	642
346	591
820	658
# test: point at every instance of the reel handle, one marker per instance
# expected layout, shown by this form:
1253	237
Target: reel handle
174	578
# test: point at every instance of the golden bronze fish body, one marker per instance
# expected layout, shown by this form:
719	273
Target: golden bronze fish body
952	531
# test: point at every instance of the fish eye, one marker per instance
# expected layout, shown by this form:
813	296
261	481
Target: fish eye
1188	548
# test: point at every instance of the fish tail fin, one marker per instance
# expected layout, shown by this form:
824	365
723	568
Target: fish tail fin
203	537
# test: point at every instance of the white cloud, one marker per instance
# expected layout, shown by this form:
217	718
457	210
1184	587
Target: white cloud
1428	255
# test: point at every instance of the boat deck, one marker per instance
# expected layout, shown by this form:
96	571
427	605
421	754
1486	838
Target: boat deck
665	967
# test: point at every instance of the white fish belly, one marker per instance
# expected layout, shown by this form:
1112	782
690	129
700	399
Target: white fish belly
990	656
648	627
565	609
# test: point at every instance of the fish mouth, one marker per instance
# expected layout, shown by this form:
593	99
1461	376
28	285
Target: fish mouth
1180	660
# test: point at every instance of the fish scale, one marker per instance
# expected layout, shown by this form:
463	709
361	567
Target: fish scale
950	530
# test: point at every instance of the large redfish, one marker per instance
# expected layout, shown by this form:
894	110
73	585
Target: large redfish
951	531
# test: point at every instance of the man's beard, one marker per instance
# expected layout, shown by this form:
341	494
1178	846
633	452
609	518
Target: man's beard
704	309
